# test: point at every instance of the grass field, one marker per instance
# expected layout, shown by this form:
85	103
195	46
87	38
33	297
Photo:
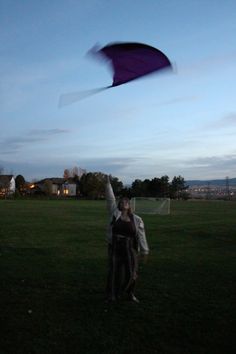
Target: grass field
53	274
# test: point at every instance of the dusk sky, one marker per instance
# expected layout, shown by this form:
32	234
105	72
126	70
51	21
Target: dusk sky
172	123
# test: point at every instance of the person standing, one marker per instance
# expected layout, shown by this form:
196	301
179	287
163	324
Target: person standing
126	239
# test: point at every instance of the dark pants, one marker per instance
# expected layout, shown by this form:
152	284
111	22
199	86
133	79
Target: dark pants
122	272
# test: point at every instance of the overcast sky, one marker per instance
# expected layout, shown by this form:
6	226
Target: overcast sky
180	123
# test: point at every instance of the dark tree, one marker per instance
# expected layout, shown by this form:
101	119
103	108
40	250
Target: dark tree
178	187
137	188
154	188
92	185
47	187
20	184
165	187
116	185
126	192
157	187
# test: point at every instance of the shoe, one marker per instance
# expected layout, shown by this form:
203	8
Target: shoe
133	298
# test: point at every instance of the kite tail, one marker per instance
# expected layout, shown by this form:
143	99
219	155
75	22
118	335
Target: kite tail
72	97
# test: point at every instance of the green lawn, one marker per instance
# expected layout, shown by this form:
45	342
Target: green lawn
53	274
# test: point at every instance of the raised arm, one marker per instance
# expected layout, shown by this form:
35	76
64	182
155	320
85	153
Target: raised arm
110	197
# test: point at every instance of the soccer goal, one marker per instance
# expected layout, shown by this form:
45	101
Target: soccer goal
144	205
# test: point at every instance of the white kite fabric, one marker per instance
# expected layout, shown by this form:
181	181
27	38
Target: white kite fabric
142	205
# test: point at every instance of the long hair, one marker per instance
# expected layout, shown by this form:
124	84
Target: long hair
127	200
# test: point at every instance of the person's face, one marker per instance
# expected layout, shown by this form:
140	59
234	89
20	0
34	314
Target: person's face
124	204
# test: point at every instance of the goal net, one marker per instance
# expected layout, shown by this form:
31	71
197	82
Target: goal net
144	205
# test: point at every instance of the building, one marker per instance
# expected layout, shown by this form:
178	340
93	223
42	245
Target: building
7	185
60	187
209	191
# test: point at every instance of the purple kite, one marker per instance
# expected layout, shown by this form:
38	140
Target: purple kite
130	61
133	60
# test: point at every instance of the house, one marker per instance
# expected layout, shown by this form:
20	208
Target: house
7	185
55	186
69	187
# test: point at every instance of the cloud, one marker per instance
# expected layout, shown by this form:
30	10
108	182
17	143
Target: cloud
229	120
127	169
183	99
214	161
54	167
22	84
13	144
111	165
32	169
210	63
210	167
47	132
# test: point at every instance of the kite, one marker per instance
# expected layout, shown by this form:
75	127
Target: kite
129	62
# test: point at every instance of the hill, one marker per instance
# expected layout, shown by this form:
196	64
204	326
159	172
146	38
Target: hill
215	182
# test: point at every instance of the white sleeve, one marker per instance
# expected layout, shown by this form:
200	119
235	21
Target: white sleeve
144	249
110	198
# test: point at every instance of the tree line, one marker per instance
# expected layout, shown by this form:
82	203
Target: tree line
92	185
